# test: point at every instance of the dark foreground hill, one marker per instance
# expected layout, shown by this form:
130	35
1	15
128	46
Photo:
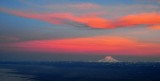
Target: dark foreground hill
79	71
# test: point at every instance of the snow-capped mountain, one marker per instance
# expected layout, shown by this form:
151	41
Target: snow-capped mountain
108	59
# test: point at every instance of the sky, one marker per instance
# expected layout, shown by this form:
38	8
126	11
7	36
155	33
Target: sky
83	30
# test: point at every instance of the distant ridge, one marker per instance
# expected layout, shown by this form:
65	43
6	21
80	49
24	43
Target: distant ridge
108	59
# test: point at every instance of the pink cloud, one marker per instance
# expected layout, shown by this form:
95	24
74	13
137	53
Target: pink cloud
95	45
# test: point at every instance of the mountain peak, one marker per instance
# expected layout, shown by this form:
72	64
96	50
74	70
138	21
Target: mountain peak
108	59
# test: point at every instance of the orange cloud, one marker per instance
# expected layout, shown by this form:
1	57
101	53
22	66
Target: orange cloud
92	20
64	18
140	19
95	45
156	27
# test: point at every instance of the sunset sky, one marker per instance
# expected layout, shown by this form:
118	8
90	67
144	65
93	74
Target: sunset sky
80	29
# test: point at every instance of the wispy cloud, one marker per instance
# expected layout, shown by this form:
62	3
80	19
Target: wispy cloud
81	6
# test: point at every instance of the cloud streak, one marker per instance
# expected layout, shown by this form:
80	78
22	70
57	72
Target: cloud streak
8	39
